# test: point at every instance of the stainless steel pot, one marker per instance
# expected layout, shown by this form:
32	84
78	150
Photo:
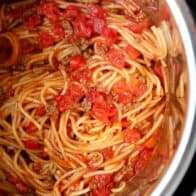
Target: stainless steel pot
187	145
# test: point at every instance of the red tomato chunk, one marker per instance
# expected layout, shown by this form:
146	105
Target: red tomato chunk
45	39
58	30
64	102
77	61
32	22
102	185
116	58
41	111
102	107
32	144
123	92
132	52
131	135
107	153
50	10
31	128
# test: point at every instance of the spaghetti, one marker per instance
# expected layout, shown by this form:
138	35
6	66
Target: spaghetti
83	103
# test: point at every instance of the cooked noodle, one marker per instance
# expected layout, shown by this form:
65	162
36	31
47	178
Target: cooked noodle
70	130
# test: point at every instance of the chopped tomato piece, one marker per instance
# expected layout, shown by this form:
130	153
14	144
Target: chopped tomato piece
77	61
125	123
50	10
143	159
103	181
131	135
31	128
101	192
82	75
138	27
81	27
32	144
116	58
75	92
132	52
71	11
102	107
64	102
58	30
122	91
41	111
33	21
107	153
96	11
45	39
110	35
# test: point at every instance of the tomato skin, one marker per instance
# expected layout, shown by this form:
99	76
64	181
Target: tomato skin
131	135
116	58
77	61
64	102
107	153
45	39
58	30
31	128
31	144
123	92
41	111
32	22
132	52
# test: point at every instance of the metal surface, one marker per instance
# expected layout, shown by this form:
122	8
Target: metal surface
187	146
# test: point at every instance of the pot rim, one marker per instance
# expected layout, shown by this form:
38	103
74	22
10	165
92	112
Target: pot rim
187	146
